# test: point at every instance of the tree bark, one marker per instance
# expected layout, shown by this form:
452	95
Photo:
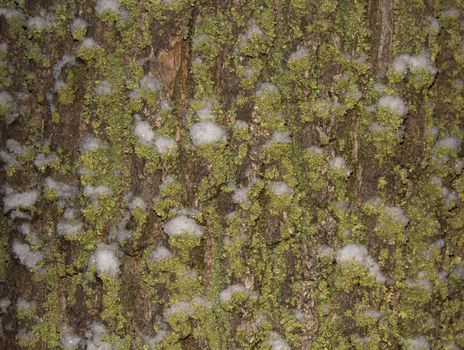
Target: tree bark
263	174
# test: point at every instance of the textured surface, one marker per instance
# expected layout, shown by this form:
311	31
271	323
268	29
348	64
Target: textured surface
259	174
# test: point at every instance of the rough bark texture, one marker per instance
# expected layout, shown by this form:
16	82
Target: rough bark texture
232	174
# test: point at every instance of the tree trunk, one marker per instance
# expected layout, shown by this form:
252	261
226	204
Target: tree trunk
235	174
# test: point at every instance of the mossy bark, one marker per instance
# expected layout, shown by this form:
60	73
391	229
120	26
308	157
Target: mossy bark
296	86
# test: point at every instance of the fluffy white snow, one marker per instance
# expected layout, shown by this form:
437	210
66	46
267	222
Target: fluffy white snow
458	271
69	340
105	260
26	230
88	43
66	60
10	13
202	133
164	144
325	250
397	214
15	147
39	22
4	304
42	160
278	137
404	63
394	104
420	282
182	224
280	188
90	143
266	88
69	228
78	24
98	191
451	12
159	336
121	232
14	150
206	111
302	52
240	194
372	313
103	88
226	294
143	131
159	254
94	338
14	200
241	124
23	305
419	343
338	164
103	6
451	143
150	83
357	253
27	256
62	190
315	150
277	342
136	202
181	306
252	31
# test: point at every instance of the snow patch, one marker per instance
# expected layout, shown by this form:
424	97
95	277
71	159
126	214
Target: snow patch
39	22
62	190
182	224
95	192
103	88
226	294
143	131
357	253
42	160
105	259
266	88
103	6
397	214
302	52
253	31
240	194
88	43
90	143
277	342
419	343
164	144
94	338
159	254
78	24
280	188
69	225
4	304
278	137
66	60
202	133
412	63
69	340
394	104
27	256
150	83
15	200
338	164
451	143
